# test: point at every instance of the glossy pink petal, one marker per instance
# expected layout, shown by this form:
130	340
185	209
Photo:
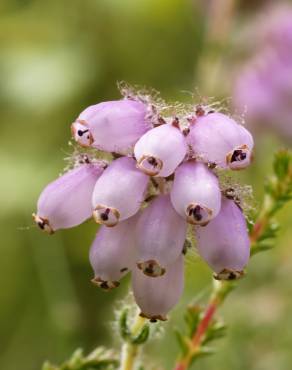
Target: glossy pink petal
119	192
224	243
195	193
112	126
160	150
218	139
156	297
66	202
113	254
161	233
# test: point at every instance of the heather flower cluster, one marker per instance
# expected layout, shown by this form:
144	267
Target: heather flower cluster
263	87
161	179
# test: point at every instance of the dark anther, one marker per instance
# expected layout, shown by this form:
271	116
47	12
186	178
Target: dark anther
175	122
238	155
41	225
152	161
153	320
149	270
104	285
186	131
124	269
104	216
232	276
81	133
211	111
197	213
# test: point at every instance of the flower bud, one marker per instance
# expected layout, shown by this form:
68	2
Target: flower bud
224	243
112	254
161	233
195	193
160	150
112	126
119	192
156	297
66	202
218	139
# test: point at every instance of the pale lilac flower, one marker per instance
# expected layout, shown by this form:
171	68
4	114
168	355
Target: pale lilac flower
161	233
112	126
262	89
66	202
160	150
217	139
224	243
119	192
195	193
112	254
277	31
156	297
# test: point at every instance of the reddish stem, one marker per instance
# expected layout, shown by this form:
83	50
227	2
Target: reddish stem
256	232
181	366
204	324
184	363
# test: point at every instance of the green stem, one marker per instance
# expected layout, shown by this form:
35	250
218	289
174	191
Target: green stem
129	350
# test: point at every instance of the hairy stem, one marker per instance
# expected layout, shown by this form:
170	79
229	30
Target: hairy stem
129	350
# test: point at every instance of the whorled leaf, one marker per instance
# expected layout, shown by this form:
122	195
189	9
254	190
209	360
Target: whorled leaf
99	359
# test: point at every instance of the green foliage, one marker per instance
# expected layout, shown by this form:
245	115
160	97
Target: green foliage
192	319
126	333
282	164
279	186
99	359
267	240
142	336
278	192
216	331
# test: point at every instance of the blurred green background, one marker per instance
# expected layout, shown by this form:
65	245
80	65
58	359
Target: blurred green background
56	58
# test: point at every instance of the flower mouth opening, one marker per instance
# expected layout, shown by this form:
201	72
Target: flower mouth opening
106	215
153	318
150	165
105	284
81	133
227	274
239	158
151	268
198	215
43	224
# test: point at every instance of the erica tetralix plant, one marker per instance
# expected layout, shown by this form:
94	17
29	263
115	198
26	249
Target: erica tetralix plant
162	174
